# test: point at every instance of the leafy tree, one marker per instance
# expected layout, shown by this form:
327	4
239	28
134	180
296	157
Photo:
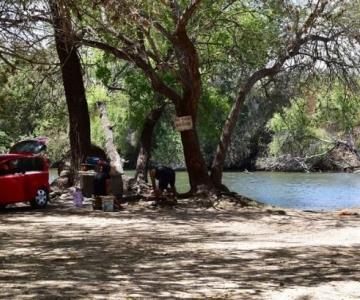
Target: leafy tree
293	130
70	65
310	128
32	105
186	49
160	39
338	109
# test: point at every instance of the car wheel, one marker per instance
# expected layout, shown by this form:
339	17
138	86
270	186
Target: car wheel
2	207
41	199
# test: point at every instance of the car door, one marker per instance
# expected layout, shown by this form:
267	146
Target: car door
36	176
12	188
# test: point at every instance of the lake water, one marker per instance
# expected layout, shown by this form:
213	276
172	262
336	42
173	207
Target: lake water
313	191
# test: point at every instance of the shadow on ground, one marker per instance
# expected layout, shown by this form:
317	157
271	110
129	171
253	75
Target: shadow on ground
67	253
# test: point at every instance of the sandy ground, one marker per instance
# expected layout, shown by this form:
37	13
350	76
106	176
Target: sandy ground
65	252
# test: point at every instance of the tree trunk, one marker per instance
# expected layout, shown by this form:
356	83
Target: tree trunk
79	132
116	161
219	159
146	140
195	163
229	126
191	92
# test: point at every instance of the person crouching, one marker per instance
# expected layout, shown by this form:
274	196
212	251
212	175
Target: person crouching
165	177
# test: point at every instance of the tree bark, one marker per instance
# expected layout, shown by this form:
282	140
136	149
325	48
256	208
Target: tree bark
195	163
146	140
190	77
115	160
79	132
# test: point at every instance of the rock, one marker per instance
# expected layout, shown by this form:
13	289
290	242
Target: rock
64	173
54	194
65	196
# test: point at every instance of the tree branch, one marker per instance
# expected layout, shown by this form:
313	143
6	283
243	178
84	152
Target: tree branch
6	61
158	84
107	48
186	16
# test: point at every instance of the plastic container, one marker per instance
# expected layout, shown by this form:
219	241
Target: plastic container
87	183
108	203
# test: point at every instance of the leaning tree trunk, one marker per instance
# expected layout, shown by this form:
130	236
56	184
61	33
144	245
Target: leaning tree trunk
146	140
79	132
116	161
228	129
291	51
219	159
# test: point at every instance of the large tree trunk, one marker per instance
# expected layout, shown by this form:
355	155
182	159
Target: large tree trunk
195	163
146	140
191	88
116	161
79	133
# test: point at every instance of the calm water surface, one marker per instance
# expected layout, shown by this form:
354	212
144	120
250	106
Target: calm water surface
314	191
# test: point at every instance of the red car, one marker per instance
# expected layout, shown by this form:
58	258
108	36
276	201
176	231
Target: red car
24	174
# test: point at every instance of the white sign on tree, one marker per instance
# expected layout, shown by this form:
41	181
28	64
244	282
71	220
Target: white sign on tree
183	123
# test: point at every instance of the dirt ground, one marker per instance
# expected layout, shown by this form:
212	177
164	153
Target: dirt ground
142	252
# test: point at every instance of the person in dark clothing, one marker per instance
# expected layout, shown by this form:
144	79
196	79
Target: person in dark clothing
102	181
166	178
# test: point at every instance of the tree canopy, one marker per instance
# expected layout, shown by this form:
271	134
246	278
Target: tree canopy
204	59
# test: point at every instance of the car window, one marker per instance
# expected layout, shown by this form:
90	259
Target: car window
29	164
9	167
4	168
37	164
28	147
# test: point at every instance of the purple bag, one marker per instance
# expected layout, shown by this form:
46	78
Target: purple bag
78	197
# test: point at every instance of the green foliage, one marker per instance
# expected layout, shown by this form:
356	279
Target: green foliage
299	132
32	105
213	109
117	105
168	147
340	110
5	142
292	128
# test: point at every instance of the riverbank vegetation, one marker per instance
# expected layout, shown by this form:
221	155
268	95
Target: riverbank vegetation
316	125
257	78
